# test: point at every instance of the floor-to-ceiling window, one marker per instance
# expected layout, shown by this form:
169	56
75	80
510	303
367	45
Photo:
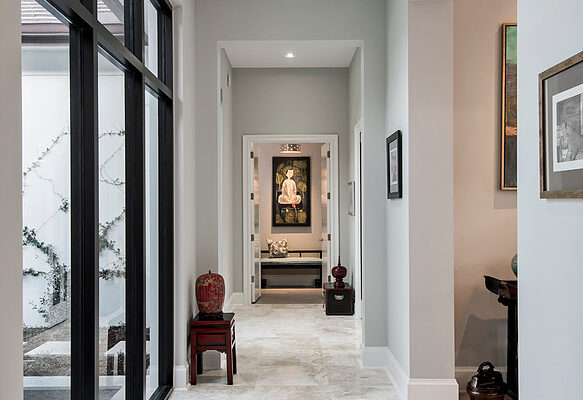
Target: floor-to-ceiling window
97	199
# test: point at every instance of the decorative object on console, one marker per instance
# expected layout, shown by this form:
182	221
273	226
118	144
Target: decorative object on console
339	272
508	144
210	295
394	166
339	301
561	130
291	191
290	148
514	265
277	249
487	384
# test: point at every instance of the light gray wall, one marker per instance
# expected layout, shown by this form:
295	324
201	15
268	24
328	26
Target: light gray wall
420	225
229	199
355	115
184	188
298	237
397	243
11	201
292	101
549	231
484	216
431	189
365	20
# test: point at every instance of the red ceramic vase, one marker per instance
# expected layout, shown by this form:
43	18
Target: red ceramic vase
339	272
210	294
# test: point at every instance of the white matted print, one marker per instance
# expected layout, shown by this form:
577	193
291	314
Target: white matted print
394	166
568	129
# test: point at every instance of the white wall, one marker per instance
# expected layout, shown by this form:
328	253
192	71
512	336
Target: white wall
420	226
354	118
298	237
484	216
185	271
290	101
11	201
226	190
549	231
397	245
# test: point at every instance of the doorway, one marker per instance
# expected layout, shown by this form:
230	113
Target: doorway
312	244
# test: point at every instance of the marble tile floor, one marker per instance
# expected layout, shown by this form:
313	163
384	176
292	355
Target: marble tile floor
294	351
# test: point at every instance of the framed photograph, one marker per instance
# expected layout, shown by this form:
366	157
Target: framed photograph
351	199
394	166
508	143
561	130
291	191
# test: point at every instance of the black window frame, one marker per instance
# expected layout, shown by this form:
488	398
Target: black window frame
87	38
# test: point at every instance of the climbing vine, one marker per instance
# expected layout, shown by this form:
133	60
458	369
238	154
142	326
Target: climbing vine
58	274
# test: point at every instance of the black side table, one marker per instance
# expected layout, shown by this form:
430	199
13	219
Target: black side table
339	301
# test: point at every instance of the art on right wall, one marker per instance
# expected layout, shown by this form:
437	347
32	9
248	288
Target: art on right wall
561	129
508	159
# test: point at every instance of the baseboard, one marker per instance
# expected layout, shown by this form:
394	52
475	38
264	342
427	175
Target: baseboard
180	379
236	298
433	389
374	357
464	374
398	375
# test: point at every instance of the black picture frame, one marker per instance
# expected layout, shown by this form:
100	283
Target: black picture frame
305	204
395	166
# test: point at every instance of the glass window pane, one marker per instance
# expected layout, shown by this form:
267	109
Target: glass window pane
46	197
151	37
112	251
152	283
111	14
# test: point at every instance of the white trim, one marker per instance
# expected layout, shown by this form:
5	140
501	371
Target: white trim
434	389
398	375
180	380
248	141
357	276
465	373
374	357
236	298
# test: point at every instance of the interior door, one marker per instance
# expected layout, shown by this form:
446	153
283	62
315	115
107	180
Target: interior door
325	239
256	243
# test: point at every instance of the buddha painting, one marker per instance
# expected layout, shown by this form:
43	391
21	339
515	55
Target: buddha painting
291	191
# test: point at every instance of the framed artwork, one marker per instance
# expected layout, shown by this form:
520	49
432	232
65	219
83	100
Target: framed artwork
394	166
351	199
291	191
561	130
508	144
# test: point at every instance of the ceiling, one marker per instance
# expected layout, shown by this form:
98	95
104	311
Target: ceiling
308	53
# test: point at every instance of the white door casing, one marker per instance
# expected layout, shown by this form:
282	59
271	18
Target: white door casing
248	187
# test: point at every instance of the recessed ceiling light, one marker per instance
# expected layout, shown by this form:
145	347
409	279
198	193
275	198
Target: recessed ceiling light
290	55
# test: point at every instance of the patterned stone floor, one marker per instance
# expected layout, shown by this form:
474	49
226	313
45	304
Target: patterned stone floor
293	351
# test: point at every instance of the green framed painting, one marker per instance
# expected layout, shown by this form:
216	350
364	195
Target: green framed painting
291	191
508	167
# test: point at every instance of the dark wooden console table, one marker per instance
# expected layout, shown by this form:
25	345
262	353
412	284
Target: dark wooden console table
338	301
507	292
212	335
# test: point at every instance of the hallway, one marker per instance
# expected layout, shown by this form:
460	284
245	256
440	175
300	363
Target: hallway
293	351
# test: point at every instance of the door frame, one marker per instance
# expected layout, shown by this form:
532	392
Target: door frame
357	277
331	139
